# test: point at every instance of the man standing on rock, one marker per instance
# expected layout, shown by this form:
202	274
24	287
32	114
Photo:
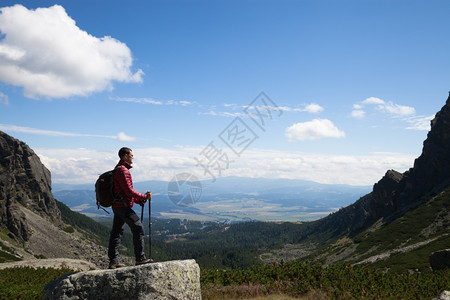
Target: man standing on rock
123	212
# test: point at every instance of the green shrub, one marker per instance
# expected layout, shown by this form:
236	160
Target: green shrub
69	229
27	282
339	281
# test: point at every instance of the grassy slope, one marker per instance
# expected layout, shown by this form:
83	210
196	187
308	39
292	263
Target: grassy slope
405	243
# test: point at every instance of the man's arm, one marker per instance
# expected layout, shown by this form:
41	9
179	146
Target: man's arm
126	186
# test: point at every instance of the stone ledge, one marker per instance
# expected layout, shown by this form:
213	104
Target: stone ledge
178	279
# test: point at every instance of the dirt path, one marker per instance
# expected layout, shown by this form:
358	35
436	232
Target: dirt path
56	263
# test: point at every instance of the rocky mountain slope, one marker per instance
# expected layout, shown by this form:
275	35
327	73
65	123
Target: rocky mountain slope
30	221
397	193
404	214
24	182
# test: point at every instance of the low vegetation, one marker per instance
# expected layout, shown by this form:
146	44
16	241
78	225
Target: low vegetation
291	279
337	281
228	256
428	221
6	253
26	282
402	244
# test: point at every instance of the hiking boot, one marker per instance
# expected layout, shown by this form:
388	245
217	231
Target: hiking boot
116	266
144	261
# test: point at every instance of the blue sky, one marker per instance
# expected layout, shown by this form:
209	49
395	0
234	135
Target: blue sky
345	89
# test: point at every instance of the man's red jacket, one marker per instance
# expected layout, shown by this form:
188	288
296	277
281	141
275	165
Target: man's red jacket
123	186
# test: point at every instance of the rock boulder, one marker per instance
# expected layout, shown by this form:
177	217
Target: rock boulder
445	295
440	260
165	280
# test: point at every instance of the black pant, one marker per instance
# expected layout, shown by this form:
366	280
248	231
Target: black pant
124	215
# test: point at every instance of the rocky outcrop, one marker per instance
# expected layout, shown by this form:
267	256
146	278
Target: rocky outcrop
396	193
440	260
165	280
29	213
385	193
49	241
24	181
433	166
445	295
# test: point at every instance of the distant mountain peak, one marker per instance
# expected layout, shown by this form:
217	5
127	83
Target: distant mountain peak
432	168
397	193
429	176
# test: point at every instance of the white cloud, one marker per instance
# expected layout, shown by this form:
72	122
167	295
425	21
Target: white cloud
184	103
330	169
401	112
313	108
77	166
315	129
390	107
176	102
420	123
11	53
398	110
4	99
30	130
223	114
45	52
358	114
373	100
84	165
121	136
139	100
358	111
152	101
125	138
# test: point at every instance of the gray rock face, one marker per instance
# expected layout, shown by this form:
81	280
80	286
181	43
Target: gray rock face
440	260
165	280
430	175
29	213
445	295
25	181
396	193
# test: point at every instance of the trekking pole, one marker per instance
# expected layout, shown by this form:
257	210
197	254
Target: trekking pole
142	213
150	228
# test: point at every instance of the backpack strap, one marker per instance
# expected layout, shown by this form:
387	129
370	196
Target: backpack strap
117	198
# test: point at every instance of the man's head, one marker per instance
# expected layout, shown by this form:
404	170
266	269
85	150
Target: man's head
126	154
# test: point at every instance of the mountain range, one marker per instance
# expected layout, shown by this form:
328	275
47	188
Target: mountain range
403	219
231	199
